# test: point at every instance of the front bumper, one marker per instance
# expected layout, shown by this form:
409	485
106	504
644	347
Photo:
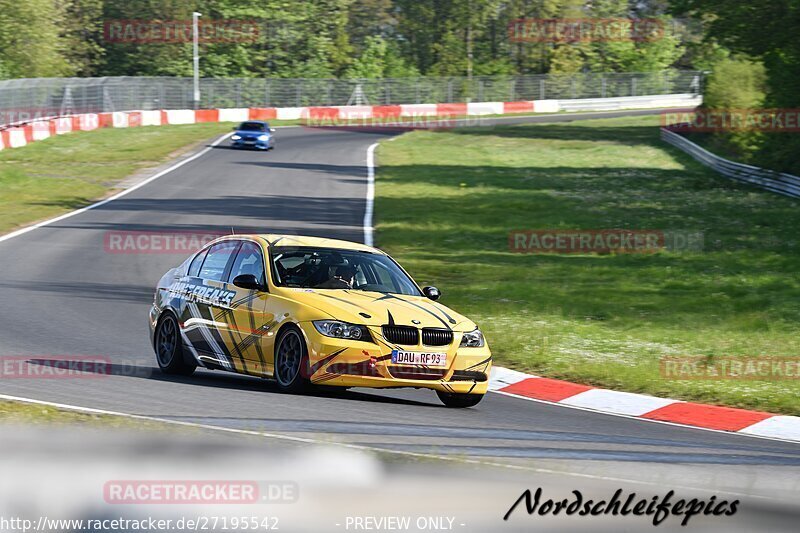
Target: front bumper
262	145
348	363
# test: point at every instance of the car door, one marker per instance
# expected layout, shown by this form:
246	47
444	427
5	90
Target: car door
206	295
193	340
247	319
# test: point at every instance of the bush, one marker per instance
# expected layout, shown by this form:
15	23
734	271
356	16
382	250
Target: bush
737	83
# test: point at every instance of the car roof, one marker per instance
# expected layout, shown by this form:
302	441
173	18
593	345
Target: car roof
253	122
271	239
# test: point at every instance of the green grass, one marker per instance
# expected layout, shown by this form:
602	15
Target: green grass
32	414
59	174
446	202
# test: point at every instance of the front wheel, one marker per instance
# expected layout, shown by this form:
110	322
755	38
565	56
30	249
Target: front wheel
169	351
290	356
460	400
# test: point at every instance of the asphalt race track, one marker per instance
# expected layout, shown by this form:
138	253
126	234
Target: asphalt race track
63	294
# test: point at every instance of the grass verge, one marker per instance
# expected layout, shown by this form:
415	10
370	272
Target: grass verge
27	413
447	200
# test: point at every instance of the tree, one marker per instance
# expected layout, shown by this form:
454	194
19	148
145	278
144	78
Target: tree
30	40
379	60
766	32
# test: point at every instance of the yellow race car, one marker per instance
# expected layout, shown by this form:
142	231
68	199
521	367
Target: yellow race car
306	310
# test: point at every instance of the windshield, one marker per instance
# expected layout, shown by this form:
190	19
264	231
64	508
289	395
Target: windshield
252	126
328	268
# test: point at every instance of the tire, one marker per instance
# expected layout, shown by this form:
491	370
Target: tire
291	354
459	400
169	349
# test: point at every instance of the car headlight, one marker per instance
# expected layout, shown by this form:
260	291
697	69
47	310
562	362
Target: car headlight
342	330
236	137
263	137
473	339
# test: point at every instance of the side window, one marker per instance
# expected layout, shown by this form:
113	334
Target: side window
217	259
194	268
248	261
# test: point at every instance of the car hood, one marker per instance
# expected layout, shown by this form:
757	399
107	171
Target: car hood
379	308
248	132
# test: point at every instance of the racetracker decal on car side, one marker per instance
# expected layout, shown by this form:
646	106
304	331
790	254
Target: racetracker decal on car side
203	293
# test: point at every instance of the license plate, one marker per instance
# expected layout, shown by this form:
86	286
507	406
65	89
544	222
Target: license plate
400	357
249	142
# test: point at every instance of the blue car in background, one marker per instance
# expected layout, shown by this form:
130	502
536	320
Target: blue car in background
253	134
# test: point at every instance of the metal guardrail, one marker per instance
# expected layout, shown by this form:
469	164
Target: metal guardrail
629	102
781	183
25	99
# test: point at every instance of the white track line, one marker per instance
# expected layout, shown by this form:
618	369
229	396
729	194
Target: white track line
116	196
368	211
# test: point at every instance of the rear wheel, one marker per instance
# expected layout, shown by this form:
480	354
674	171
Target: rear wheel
455	399
290	356
168	347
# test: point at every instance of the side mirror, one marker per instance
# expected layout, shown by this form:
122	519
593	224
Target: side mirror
272	130
432	293
248	281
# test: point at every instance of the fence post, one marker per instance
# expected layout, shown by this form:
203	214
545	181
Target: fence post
328	92
162	95
541	88
512	93
633	85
